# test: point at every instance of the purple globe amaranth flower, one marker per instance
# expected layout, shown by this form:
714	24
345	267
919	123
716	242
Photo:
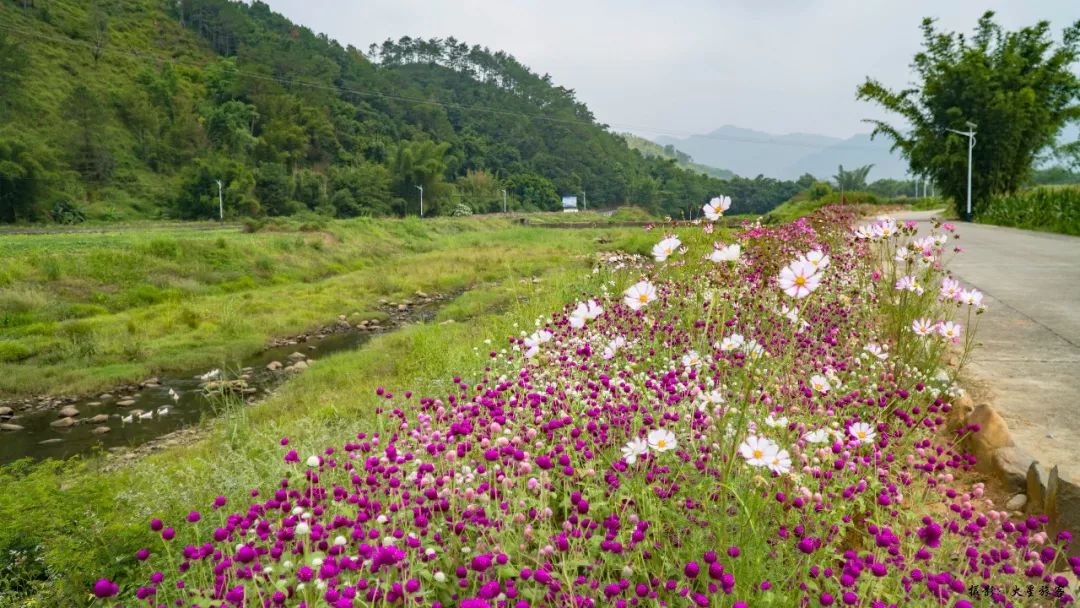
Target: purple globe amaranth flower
691	570
104	588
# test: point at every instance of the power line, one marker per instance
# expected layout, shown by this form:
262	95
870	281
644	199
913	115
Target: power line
448	105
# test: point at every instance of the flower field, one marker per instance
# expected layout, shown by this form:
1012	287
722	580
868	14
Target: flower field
760	418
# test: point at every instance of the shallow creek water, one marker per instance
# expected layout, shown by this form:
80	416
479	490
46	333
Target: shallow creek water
163	414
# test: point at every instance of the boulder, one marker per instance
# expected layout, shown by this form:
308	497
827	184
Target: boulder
5	426
101	430
126	402
993	434
274	366
1016	503
421	294
297	356
62	423
300	365
68	412
1010	465
99	419
6	412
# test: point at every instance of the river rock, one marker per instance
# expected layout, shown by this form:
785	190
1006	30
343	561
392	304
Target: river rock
421	294
104	396
6	412
273	366
300	365
93	404
297	356
402	307
62	423
5	426
126	402
1016	503
100	418
67	412
101	430
50	441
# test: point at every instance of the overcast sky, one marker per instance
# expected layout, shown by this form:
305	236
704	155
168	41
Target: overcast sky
678	67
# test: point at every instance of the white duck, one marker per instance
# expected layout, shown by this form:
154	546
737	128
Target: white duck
163	410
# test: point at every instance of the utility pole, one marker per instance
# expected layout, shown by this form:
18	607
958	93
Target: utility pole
504	201
421	189
970	134
584	201
220	202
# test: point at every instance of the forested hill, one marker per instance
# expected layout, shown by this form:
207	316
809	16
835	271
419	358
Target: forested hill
119	109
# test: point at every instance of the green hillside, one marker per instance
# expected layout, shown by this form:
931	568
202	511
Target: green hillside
652	149
128	109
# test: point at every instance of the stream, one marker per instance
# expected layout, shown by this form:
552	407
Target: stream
162	411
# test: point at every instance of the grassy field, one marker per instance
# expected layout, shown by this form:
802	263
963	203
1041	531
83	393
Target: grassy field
64	519
84	311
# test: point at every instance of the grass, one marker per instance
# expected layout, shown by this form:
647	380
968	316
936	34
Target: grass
83	312
65	519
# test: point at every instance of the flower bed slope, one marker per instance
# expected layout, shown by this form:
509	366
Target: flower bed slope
760	422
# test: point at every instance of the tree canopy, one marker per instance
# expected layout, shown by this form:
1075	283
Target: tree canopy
1018	88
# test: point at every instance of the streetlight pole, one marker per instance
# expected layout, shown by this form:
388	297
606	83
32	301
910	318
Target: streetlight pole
504	201
970	134
220	202
421	189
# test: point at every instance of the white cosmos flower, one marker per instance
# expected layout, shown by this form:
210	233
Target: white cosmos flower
972	297
753	349
909	283
820	384
817	436
533	342
716	207
780	463
730	253
876	351
863	432
662	440
950	330
798	279
634	448
923	327
613	347
815	258
585	311
775	422
691	359
950	289
758	451
313	461
666	248
791	314
732	342
639	294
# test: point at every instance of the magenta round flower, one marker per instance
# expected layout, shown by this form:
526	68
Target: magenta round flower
105	588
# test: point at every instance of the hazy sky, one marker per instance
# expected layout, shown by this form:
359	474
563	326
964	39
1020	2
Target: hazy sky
678	67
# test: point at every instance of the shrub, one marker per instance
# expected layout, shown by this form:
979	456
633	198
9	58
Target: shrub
1050	209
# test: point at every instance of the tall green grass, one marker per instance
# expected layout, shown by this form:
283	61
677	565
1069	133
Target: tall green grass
1049	209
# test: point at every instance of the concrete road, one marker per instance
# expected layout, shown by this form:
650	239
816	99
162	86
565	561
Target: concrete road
1030	335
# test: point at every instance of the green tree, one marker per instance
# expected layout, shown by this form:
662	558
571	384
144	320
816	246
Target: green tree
1017	87
97	30
13	64
848	181
90	156
420	162
22	176
273	188
536	192
363	188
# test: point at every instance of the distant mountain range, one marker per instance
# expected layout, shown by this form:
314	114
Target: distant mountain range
750	153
